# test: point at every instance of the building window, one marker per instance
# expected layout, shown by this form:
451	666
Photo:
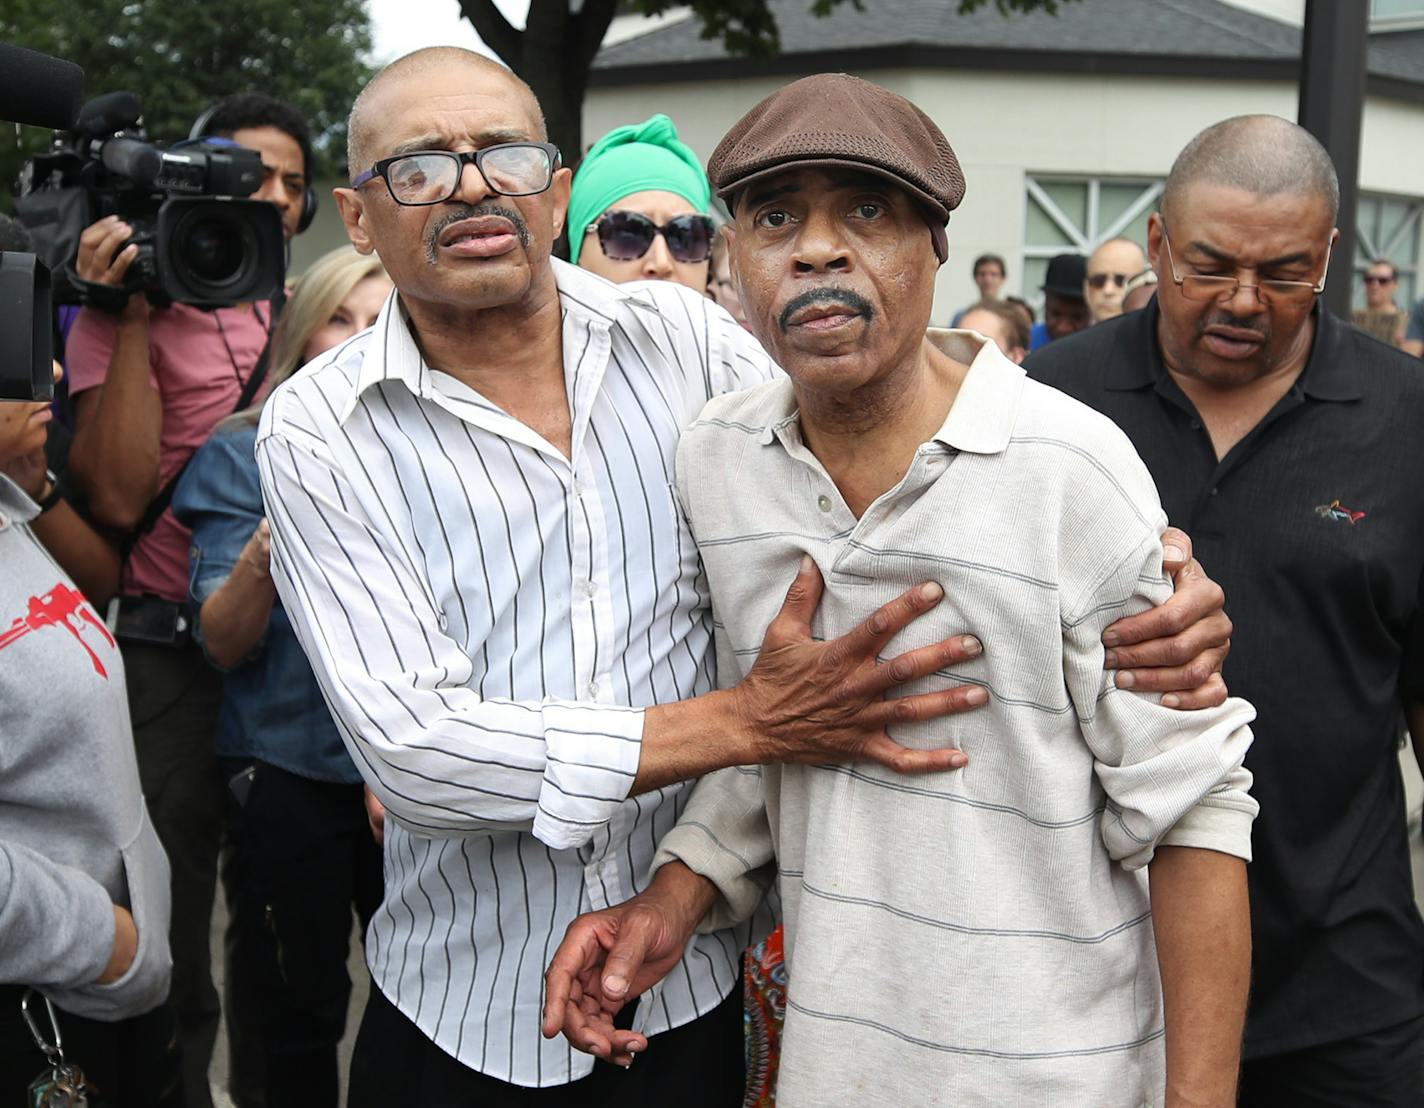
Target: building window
1396	15
1072	215
1389	227
1068	215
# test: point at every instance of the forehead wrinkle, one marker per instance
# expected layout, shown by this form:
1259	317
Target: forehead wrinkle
423	65
1223	256
435	141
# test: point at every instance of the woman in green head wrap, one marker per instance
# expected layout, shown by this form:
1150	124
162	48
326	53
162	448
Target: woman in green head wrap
638	209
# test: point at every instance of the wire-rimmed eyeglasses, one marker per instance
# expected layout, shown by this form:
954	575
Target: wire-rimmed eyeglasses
432	176
1202	286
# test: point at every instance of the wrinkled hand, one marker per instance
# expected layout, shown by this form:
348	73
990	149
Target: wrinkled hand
610	957
808	701
103	259
1179	647
257	552
125	948
375	815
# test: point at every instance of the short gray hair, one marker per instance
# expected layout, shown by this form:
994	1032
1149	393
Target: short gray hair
1264	155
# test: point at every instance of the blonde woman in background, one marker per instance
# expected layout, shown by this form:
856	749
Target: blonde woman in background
302	856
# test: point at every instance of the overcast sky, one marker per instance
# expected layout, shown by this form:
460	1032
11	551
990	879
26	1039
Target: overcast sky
400	26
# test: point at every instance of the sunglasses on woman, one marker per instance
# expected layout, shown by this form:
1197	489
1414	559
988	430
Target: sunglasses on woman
627	236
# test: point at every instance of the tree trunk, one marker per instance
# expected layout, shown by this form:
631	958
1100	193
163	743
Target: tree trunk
553	54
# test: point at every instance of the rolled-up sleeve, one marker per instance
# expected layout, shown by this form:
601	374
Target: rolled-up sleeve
723	834
442	759
1172	778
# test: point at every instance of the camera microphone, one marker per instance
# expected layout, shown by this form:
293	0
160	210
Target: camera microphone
38	89
108	114
135	159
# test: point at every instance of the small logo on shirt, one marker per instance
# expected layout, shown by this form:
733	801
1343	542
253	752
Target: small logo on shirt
1337	511
65	608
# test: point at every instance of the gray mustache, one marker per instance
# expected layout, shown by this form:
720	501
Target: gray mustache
473	211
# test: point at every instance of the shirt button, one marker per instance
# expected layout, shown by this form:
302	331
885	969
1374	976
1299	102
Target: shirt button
1215	491
1196	425
588	588
593	688
823	502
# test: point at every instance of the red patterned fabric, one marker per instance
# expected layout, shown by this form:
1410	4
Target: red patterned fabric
764	970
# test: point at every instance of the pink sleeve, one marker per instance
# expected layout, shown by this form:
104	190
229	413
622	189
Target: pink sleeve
89	348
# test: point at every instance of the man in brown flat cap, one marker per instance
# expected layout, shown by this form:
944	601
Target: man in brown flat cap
474	539
984	935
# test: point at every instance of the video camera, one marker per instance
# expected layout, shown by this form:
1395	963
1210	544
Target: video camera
45	92
198	241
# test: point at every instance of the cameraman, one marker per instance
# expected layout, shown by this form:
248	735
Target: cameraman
149	385
83	879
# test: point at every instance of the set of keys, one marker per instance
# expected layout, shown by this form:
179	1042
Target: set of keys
61	1085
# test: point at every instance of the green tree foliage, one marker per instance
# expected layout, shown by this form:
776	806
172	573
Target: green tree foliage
561	38
179	56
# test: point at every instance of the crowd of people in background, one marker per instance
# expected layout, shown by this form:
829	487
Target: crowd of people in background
308	598
1116	277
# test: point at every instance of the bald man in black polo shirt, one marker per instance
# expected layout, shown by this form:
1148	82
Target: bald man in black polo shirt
1287	443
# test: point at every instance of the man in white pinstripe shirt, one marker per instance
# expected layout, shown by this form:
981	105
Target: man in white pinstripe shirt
984	937
476	539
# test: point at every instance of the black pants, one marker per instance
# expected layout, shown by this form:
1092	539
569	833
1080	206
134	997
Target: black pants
173	697
301	860
698	1065
1383	1069
132	1063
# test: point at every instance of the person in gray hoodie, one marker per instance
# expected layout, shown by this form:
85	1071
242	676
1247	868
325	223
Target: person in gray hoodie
83	879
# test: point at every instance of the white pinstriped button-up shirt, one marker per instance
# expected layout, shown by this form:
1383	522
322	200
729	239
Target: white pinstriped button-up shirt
487	620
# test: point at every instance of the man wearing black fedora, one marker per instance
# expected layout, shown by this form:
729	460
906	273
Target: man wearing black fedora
1065	312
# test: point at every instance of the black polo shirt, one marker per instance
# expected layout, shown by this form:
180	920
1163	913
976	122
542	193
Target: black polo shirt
1314	525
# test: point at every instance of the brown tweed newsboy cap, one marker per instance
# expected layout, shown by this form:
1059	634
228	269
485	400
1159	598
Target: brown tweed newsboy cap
837	119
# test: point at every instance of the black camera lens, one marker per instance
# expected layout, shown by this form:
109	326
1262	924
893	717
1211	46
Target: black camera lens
214	250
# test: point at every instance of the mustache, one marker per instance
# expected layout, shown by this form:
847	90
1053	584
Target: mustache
472	211
827	294
1223	319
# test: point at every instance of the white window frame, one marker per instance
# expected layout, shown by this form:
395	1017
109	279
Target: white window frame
1366	247
1084	239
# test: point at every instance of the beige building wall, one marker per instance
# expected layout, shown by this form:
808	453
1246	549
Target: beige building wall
1006	125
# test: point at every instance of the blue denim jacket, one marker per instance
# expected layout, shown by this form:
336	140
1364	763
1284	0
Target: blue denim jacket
272	708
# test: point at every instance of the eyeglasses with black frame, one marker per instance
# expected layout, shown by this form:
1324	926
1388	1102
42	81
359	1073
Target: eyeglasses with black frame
433	176
1208	287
